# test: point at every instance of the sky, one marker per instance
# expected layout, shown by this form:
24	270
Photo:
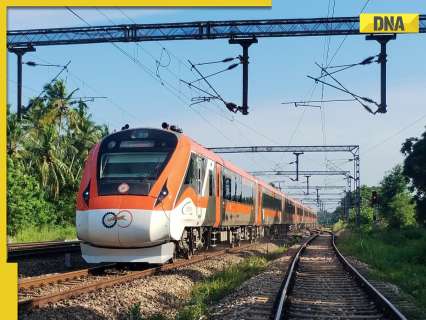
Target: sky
149	92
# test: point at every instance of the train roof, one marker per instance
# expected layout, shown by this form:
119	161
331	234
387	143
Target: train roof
213	156
229	165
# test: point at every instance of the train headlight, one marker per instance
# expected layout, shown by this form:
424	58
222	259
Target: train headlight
163	194
86	194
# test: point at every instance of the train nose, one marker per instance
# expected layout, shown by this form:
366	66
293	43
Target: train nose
123	228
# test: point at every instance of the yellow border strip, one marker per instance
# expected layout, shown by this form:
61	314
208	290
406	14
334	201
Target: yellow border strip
9	271
139	3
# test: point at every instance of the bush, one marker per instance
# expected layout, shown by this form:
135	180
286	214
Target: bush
26	201
403	211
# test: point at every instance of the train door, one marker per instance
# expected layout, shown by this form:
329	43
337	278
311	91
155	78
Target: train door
260	216
210	193
201	189
218	191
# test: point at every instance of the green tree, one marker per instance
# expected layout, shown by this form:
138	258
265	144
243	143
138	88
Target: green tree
403	210
367	212
394	198
47	150
415	168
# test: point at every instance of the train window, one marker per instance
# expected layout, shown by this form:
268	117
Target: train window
136	157
289	207
190	174
199	181
270	202
211	187
145	165
247	192
227	188
196	172
237	188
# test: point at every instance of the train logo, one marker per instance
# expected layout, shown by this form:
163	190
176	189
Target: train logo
123	188
109	220
123	218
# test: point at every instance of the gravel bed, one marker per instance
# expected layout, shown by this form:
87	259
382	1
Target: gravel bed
36	266
165	293
255	298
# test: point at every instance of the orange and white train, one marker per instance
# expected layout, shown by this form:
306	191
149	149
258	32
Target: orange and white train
149	194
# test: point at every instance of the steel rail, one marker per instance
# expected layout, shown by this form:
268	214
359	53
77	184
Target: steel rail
37	302
20	250
381	301
289	278
34	282
18	245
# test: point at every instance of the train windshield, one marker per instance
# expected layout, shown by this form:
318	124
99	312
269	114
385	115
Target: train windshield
131	161
143	165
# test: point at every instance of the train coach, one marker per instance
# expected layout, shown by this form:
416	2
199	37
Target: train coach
149	194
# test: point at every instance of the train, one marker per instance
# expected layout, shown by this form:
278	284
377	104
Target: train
148	195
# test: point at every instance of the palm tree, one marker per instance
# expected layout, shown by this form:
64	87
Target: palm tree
47	158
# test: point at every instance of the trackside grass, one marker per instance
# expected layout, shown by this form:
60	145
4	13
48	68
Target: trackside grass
45	233
396	256
214	288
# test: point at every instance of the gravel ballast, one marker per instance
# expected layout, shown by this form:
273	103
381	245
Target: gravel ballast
164	293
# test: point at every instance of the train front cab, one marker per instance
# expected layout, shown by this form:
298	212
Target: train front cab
126	195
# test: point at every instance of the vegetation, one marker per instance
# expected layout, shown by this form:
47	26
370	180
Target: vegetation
391	238
214	288
46	151
397	256
219	285
31	234
415	169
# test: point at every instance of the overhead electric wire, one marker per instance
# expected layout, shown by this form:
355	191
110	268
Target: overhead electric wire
217	61
224	114
375	146
65	67
318	101
364	62
357	97
204	118
135	60
346	36
230	67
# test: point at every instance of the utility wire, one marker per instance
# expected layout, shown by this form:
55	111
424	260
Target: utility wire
230	67
346	36
358	98
217	61
374	147
205	119
65	67
364	62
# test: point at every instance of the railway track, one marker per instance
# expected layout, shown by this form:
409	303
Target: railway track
78	282
31	249
321	284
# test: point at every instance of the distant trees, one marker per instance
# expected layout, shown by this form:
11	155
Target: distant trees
46	151
395	207
396	203
415	169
